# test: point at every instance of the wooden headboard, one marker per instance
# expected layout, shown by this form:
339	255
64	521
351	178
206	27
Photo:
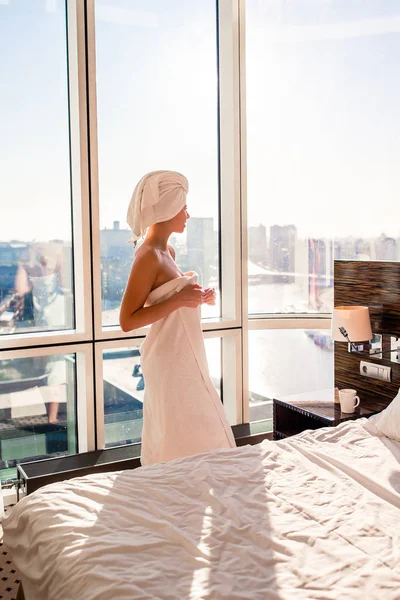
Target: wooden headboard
375	284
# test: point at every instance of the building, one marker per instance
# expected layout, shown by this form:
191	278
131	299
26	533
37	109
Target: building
116	254
320	272
282	252
386	248
114	243
201	249
10	257
258	248
345	248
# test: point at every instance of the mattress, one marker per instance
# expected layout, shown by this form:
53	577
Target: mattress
315	516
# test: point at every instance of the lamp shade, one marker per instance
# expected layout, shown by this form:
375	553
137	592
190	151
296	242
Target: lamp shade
355	320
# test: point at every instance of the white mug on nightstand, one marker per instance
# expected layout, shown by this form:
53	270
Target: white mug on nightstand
348	400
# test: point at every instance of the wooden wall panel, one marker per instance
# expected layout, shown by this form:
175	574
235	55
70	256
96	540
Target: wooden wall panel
375	284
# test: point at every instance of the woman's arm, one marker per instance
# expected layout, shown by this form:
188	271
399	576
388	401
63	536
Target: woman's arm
22	285
133	314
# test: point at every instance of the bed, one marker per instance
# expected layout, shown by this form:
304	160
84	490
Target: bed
315	516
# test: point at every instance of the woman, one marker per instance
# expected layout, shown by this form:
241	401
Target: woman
182	413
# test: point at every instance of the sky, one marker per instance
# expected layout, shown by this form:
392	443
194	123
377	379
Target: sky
323	115
322	101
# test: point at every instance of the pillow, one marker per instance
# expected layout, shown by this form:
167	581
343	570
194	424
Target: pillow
387	422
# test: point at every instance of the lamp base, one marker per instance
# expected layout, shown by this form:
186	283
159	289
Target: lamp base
357	347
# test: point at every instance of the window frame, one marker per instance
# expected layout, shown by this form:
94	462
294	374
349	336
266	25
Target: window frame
251	322
229	176
89	336
83	384
80	192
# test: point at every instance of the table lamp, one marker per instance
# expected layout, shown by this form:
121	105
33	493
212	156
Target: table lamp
351	324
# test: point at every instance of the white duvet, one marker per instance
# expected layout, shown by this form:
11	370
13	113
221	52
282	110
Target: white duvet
313	516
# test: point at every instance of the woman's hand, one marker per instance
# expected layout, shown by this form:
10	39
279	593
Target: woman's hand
190	296
209	296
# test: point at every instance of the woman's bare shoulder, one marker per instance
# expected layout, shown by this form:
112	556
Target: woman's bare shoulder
147	254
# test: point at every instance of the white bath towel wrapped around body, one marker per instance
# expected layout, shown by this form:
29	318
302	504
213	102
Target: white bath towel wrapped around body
182	412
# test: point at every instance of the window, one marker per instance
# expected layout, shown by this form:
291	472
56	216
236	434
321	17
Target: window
71	156
36	279
285	362
157	108
37	409
323	131
123	394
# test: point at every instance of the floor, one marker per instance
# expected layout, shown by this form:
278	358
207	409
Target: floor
9	578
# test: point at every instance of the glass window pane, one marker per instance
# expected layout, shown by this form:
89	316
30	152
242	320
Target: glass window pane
37	409
35	225
124	391
287	361
123	396
157	106
322	149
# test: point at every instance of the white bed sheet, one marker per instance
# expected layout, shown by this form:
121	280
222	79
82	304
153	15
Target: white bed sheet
315	516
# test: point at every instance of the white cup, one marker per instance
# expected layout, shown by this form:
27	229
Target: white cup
348	400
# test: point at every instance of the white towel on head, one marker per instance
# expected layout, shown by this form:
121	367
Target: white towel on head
159	196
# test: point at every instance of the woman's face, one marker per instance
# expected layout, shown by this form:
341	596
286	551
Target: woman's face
180	220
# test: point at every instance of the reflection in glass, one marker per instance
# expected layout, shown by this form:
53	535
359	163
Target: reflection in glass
38	296
37	409
157	107
284	362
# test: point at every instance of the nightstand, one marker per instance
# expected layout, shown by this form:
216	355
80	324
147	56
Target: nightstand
293	414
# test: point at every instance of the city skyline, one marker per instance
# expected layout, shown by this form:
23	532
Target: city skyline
181	239
286	273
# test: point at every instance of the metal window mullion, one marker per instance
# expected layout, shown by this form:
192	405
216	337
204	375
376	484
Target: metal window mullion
233	384
79	168
80	189
243	213
278	322
40	351
231	218
85	410
93	167
229	157
99	389
54	338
